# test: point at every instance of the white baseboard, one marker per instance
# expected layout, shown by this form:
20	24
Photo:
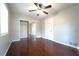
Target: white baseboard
64	44
7	49
15	40
38	36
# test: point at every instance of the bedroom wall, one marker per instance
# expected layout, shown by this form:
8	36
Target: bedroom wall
5	40
15	25
65	26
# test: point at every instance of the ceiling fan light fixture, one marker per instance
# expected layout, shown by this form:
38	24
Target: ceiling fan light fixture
41	8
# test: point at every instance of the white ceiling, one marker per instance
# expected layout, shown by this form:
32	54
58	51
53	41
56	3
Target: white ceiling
22	8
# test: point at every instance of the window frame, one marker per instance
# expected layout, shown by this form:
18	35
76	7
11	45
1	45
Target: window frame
2	5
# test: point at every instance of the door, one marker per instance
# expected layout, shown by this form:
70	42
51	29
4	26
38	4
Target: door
49	29
23	29
33	30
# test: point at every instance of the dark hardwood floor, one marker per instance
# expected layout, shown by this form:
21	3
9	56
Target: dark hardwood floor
40	47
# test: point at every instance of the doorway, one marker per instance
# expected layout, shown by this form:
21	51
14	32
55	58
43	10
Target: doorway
33	30
24	29
49	28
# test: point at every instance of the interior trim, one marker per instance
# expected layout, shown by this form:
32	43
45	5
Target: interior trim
15	40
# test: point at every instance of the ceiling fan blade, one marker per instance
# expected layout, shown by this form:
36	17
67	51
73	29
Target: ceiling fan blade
36	4
40	5
49	6
45	12
31	10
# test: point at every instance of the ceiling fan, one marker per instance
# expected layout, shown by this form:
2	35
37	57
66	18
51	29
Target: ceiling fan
41	7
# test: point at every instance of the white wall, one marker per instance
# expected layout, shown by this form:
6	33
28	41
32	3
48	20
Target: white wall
14	28
4	41
65	26
15	25
0	18
4	44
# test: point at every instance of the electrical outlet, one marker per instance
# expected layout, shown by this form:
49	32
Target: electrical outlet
70	43
75	44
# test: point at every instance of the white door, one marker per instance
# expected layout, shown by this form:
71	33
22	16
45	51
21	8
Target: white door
49	29
33	30
23	29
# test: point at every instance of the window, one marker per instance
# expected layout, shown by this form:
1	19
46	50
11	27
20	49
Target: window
3	19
